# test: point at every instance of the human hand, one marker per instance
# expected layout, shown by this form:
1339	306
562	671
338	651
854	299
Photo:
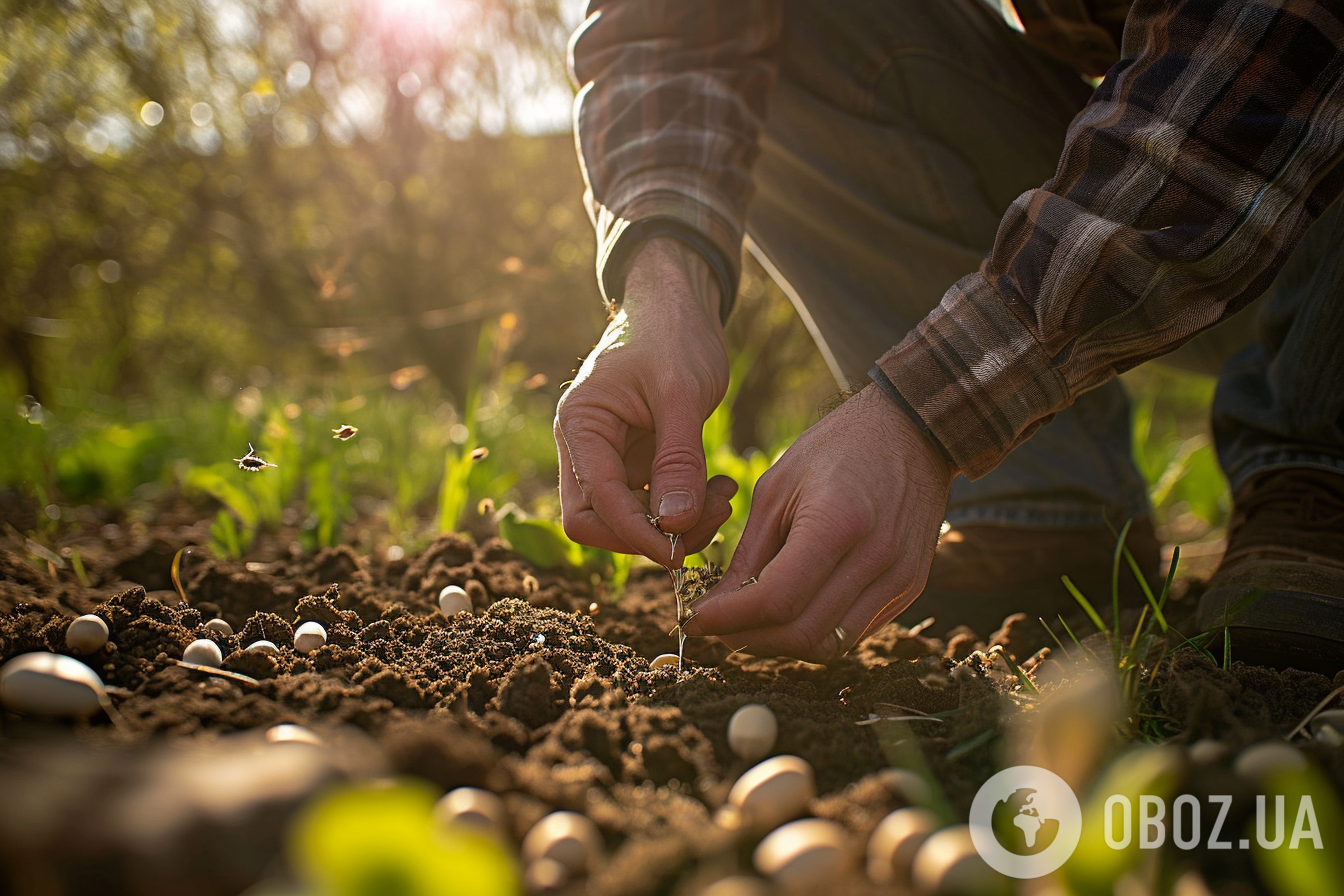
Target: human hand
634	415
840	538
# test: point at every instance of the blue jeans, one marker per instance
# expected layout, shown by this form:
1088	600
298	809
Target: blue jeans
898	134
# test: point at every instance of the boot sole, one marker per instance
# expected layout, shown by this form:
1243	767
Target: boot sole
1280	628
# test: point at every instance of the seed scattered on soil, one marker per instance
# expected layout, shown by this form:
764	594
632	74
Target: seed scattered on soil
454	600
752	731
568	838
474	808
771	793
218	625
530	584
1207	751
1259	760
948	865
803	855
203	652
894	842
737	885
309	637
52	686
664	659
86	635
289	733
1331	719
265	647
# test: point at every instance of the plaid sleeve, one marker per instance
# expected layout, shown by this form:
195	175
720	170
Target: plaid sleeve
1184	184
672	97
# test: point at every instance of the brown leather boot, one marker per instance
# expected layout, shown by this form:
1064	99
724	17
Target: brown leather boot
983	573
1279	590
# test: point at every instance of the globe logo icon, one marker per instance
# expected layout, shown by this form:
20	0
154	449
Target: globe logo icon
1019	825
1025	822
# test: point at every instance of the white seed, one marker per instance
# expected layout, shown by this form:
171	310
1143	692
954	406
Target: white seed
86	634
454	600
895	840
948	865
218	625
289	733
663	659
565	837
309	637
1206	751
265	647
737	885
203	652
773	792
1328	718
803	855
752	731
474	808
1260	760
51	685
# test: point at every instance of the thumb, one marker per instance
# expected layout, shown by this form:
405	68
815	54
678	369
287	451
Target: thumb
677	483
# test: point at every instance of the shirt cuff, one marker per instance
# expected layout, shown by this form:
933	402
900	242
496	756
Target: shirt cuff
976	377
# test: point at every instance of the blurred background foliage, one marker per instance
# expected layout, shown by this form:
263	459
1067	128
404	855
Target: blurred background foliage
233	221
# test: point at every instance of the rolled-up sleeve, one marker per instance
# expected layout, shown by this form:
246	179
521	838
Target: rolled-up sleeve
667	121
1211	146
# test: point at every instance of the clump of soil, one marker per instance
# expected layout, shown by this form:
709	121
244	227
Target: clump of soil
543	694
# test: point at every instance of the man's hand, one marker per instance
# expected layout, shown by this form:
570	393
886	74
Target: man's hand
840	539
634	416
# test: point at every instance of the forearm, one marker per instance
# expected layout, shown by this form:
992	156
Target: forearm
672	100
1183	187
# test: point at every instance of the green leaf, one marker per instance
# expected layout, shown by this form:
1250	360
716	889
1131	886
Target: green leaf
541	541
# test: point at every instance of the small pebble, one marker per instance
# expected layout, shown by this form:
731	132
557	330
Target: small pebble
86	635
663	659
454	600
804	855
472	807
309	637
773	792
568	838
203	652
948	865
218	625
895	840
752	731
265	647
51	685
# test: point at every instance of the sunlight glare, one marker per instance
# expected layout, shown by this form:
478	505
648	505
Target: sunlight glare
420	24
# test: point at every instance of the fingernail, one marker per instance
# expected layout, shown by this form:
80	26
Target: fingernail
674	503
686	622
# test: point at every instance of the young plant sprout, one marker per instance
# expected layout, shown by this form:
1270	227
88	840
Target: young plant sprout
86	635
203	652
251	462
771	793
266	647
568	838
803	855
52	686
218	625
345	432
309	637
453	600
752	731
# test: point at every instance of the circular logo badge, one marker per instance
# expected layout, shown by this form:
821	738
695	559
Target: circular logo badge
1025	821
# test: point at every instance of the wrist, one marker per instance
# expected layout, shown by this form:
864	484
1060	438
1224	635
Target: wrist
665	270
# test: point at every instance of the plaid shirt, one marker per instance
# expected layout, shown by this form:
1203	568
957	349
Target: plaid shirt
1213	143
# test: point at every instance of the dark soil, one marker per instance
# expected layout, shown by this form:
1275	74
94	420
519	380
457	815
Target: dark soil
544	696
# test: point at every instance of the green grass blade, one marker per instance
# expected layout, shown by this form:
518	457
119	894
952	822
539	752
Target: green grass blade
1115	579
1083	602
1021	674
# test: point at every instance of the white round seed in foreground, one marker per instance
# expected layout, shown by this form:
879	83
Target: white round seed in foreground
568	838
773	792
752	731
50	685
86	634
265	647
474	808
948	865
454	600
290	733
737	885
1260	760
803	855
309	637
218	625
663	659
203	652
895	840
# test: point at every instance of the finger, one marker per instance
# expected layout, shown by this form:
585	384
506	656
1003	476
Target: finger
784	588
677	485
581	523
718	508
